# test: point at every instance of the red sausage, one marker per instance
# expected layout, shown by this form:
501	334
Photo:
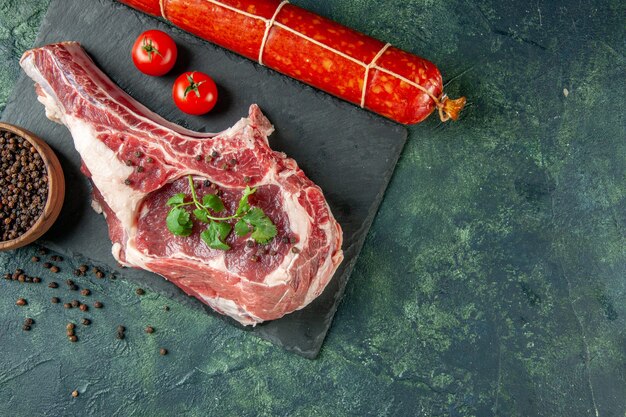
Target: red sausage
147	6
317	51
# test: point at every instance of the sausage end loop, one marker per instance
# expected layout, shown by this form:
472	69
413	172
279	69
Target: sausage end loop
451	109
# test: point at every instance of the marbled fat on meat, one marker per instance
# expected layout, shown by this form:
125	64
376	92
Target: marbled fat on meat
115	135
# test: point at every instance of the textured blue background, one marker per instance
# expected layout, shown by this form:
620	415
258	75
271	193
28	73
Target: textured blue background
491	284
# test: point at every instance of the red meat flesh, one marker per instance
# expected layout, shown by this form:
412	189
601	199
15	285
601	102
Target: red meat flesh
115	135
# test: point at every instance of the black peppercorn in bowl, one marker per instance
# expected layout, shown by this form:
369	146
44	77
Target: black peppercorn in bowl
32	187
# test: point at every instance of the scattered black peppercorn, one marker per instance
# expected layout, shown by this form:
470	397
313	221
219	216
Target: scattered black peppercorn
225	167
34	259
249	243
149	329
198	157
140	291
138	154
233	161
129	163
120	332
139	169
55	300
163	351
166	308
285	239
21	302
295	250
85	322
97	304
254	258
85	292
246	179
149	160
127	181
54	269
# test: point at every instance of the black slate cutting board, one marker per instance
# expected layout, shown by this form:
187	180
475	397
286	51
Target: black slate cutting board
350	153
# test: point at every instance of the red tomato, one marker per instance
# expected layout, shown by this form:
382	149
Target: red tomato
154	53
195	93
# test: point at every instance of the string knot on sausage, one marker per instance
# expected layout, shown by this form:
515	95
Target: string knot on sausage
449	109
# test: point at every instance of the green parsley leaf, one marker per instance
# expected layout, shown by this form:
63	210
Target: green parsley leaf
249	219
244	206
213	202
201	215
215	235
264	229
242	228
179	222
254	215
176	200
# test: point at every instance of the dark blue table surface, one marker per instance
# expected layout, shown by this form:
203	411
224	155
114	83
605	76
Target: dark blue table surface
491	284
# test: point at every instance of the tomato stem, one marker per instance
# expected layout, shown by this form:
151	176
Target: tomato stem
149	48
193	86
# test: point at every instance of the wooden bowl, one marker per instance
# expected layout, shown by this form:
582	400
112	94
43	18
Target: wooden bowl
56	190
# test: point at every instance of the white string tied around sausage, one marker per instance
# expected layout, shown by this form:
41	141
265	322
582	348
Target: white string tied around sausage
268	27
269	23
367	72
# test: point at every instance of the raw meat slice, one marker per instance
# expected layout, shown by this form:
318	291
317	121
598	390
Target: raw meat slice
136	160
